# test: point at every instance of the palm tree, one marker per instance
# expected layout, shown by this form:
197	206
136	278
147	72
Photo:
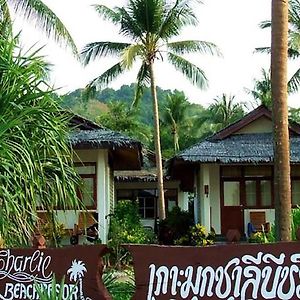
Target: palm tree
279	56
40	15
175	115
35	157
262	90
150	25
293	41
224	111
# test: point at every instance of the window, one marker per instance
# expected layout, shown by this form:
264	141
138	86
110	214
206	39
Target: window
170	199
88	191
231	193
266	192
251	197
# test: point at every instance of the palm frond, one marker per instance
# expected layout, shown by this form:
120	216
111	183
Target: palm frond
294	82
130	54
191	46
108	14
109	75
96	50
265	24
43	17
193	73
175	18
263	50
143	79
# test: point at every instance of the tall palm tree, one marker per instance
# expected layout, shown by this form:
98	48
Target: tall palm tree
150	25
279	56
40	15
35	157
175	115
293	41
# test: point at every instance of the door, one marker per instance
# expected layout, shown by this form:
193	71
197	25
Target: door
232	212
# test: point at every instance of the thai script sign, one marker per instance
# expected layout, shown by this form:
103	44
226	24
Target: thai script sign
270	271
22	269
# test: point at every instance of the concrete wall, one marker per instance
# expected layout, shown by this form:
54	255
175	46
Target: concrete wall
262	125
104	191
209	203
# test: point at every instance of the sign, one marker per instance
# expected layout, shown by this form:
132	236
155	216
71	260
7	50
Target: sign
269	271
21	269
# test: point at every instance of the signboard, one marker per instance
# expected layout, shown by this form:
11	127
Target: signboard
21	269
270	271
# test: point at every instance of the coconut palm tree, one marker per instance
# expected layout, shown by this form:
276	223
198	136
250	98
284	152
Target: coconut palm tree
175	115
149	25
279	56
293	41
262	89
35	157
40	15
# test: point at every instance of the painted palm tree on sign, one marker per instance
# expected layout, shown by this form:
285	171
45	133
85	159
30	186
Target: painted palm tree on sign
40	15
76	272
279	56
150	25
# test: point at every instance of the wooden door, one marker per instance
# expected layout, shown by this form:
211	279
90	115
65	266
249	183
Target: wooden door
232	212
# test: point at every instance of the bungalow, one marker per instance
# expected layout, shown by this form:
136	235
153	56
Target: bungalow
231	173
97	152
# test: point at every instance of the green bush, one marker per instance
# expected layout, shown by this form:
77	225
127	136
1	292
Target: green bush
175	226
126	228
197	236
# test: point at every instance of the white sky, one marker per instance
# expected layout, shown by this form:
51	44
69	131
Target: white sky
232	25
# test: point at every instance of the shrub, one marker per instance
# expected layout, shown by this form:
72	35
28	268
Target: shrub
197	236
126	228
259	238
175	226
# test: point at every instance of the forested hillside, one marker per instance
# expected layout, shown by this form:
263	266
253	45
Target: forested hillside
182	123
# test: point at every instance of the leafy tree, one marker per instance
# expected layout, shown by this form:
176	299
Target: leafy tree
120	117
279	56
36	162
150	25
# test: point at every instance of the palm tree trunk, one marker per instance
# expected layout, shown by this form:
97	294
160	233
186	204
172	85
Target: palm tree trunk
159	168
282	184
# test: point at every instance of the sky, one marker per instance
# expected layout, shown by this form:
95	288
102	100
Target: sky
232	25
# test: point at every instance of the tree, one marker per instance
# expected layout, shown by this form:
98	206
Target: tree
293	41
35	158
150	25
39	15
262	90
279	56
120	117
223	112
175	116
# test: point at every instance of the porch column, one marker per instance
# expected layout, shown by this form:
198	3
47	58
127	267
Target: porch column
205	196
102	194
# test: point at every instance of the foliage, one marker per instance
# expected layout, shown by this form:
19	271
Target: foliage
176	225
126	228
119	290
197	236
55	292
53	233
259	237
39	15
122	118
36	161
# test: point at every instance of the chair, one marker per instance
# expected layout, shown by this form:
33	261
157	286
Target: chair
258	220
